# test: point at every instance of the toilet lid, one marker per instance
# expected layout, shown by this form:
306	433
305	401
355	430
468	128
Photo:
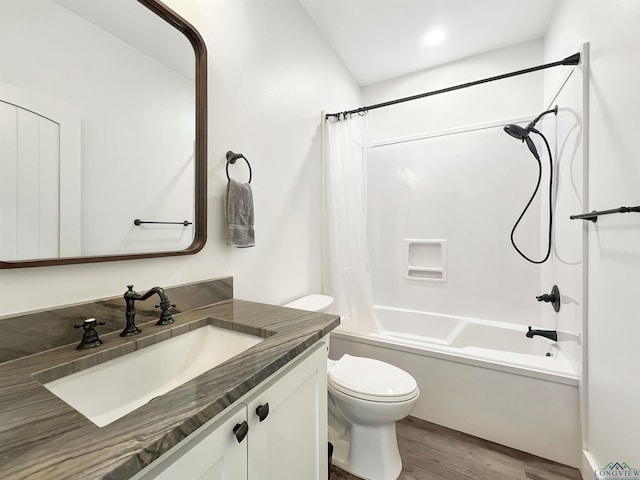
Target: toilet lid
314	303
371	379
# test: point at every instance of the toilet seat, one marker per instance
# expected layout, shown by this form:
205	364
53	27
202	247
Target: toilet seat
369	379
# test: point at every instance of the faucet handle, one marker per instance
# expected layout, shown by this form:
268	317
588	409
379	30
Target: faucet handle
165	316
89	323
90	336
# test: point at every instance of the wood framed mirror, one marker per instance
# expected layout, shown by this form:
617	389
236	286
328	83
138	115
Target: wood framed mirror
103	121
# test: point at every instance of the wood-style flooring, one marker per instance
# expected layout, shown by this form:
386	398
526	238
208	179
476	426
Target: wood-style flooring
432	452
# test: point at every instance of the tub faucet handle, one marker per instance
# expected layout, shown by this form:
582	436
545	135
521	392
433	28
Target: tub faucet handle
553	298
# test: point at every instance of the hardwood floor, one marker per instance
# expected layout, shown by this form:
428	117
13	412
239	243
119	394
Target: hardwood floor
432	452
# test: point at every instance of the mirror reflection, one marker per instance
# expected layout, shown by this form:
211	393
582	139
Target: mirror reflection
97	129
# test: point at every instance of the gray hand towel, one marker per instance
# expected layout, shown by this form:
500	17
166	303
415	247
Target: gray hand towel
239	206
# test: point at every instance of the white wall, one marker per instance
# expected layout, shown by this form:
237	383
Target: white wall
611	27
270	75
468	188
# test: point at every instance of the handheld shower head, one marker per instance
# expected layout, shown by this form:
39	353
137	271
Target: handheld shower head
521	133
516	131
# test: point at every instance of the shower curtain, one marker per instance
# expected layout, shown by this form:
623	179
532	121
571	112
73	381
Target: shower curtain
346	266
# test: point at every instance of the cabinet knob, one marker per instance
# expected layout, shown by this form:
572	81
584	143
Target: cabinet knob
262	411
240	431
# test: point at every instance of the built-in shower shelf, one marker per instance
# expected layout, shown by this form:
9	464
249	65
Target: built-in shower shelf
426	259
425	273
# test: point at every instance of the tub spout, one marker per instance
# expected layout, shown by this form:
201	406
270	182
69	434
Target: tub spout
550	334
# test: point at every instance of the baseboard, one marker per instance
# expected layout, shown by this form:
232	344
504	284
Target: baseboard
588	466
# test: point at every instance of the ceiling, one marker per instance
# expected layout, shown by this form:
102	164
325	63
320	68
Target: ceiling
382	39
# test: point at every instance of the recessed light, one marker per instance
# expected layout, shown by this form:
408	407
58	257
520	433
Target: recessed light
434	37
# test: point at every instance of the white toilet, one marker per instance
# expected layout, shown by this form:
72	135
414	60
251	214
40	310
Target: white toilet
366	398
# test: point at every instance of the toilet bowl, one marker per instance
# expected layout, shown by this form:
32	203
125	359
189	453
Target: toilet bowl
366	397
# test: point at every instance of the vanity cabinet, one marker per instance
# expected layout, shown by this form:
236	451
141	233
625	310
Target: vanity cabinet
288	424
287	432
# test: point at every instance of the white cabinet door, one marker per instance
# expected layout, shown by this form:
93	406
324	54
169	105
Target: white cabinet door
211	453
290	443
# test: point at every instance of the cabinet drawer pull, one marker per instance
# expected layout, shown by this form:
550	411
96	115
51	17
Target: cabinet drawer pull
262	411
241	430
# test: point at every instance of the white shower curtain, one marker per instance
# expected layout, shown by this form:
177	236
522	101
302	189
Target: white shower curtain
346	269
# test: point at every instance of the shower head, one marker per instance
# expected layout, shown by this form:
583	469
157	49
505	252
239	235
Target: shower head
524	134
516	131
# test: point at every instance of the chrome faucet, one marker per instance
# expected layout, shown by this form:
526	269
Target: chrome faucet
130	298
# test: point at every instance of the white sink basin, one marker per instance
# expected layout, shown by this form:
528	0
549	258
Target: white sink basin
115	388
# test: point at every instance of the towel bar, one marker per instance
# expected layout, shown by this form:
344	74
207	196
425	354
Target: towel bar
137	221
593	216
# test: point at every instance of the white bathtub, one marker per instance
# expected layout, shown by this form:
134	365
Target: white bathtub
481	377
499	345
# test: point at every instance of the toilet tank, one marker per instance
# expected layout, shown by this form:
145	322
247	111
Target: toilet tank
313	303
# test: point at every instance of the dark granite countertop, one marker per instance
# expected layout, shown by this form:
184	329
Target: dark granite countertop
41	437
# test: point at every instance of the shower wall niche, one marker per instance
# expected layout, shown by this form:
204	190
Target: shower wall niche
426	260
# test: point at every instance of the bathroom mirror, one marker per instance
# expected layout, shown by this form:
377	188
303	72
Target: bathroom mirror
103	111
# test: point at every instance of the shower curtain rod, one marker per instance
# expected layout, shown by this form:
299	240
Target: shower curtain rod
570	60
